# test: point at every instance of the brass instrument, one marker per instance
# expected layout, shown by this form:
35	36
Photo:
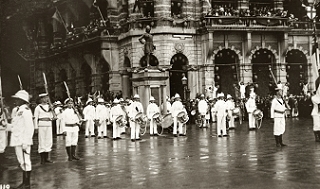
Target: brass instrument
120	121
183	117
157	118
193	112
140	118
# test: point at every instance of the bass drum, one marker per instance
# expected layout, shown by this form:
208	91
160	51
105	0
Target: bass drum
167	121
258	114
236	111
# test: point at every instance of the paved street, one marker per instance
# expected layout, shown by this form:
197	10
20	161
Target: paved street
246	159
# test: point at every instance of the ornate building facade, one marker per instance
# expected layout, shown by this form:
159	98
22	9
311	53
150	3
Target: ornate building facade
94	46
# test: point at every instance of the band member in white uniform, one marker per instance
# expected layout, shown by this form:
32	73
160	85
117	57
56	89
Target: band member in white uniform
102	115
242	90
134	109
202	109
278	110
123	107
22	133
168	106
315	113
116	111
43	123
151	110
70	125
230	107
221	109
3	135
58	110
89	113
176	108
251	106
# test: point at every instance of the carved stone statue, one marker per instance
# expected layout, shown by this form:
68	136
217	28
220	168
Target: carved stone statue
147	40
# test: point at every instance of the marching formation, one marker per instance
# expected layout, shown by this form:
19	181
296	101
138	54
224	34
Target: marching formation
17	129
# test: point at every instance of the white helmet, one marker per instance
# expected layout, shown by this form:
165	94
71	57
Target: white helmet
136	96
177	95
116	101
100	100
152	98
22	94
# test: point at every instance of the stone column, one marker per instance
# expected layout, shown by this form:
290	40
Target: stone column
243	4
164	99
162	8
247	66
125	85
278	5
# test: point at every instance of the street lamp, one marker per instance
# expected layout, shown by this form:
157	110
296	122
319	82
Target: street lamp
184	81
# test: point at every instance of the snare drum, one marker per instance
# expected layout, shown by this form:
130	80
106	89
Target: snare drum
236	111
258	114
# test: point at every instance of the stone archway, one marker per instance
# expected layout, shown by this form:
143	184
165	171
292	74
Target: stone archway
179	64
103	71
297	70
262	60
226	73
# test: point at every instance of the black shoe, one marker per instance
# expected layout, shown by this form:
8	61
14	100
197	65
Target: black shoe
156	134
105	137
225	135
182	135
93	135
133	140
175	135
73	152
118	138
219	136
114	139
138	139
46	158
99	137
86	136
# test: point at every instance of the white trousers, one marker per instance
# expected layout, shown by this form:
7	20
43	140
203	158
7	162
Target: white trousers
252	121
24	157
116	130
89	127
231	119
316	122
135	130
175	126
58	125
221	125
45	139
279	126
3	140
102	128
72	138
153	127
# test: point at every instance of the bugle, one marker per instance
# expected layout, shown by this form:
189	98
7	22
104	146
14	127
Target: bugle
120	121
157	118
140	118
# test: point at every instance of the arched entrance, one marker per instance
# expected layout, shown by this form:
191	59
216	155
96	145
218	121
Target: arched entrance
226	62
297	70
103	70
179	64
262	60
85	77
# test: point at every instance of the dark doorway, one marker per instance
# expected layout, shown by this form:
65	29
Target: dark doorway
179	64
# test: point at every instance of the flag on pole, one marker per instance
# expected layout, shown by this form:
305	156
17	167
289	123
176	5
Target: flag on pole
208	3
56	16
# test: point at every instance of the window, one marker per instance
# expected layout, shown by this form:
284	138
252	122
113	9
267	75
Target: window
147	8
176	8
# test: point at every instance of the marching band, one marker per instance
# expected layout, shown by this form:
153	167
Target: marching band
122	114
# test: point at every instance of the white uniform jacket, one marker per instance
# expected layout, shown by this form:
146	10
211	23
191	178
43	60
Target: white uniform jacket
316	102
176	108
277	108
251	105
102	113
69	120
134	109
230	105
115	112
202	107
22	127
42	112
220	107
89	112
152	109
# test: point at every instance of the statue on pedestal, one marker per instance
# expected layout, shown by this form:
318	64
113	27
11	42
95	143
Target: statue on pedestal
147	40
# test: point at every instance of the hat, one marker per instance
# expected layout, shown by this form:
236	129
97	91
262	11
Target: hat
220	95
116	101
229	96
67	100
100	100
89	100
57	103
152	98
136	96
22	94
177	95
252	95
277	89
202	95
121	100
43	95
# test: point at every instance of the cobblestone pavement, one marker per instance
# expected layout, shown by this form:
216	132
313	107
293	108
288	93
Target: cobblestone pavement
246	159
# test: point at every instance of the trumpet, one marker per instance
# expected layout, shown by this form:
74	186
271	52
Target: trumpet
183	117
157	118
140	118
